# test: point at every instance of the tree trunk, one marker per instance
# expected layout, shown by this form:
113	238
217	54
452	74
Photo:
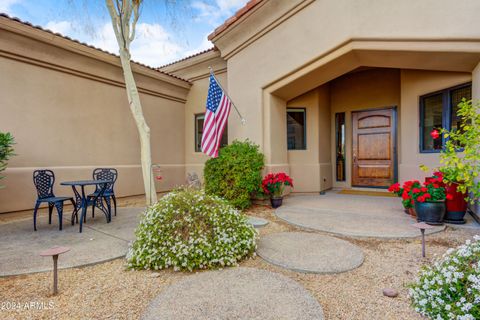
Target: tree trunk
143	129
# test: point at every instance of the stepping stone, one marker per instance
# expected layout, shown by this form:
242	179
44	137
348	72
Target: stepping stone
388	224
257	222
309	252
235	293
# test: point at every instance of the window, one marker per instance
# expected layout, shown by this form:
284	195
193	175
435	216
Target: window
340	145
439	110
296	137
199	118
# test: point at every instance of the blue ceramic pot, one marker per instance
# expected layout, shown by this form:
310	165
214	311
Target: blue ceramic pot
276	202
431	212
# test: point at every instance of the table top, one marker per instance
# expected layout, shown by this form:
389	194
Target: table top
84	182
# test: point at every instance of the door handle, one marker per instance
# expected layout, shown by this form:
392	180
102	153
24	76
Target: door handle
354	158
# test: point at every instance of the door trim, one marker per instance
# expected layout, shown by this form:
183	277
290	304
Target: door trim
395	143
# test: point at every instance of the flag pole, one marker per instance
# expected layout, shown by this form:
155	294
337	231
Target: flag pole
242	119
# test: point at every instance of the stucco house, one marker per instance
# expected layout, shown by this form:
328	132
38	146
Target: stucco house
339	93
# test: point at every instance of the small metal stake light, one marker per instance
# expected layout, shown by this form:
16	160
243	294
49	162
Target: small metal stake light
54	252
422	226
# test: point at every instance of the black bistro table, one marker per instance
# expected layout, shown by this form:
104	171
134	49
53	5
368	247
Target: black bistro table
82	201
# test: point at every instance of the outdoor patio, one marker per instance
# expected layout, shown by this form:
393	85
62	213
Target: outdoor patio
99	242
367	270
351	215
337	214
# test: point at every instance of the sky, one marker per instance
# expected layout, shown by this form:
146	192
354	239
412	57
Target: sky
167	30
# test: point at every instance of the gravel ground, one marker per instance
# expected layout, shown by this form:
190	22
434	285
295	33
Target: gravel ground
108	291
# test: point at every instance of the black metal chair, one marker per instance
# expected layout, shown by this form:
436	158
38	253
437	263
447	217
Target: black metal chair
44	181
110	174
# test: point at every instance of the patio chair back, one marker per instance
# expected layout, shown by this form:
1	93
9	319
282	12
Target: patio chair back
44	181
106	174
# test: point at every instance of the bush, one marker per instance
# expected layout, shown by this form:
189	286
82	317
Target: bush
6	150
188	230
236	174
450	289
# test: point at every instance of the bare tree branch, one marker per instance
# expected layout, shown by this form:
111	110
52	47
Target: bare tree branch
114	15
136	9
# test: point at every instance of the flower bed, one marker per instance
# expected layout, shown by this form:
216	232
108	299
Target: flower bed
450	288
189	230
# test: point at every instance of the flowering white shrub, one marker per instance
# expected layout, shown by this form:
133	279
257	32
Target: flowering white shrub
450	288
188	230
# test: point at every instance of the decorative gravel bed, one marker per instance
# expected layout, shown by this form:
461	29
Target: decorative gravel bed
108	291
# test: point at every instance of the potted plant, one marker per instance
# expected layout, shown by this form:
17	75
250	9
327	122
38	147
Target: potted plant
456	200
429	201
460	158
6	150
404	193
273	185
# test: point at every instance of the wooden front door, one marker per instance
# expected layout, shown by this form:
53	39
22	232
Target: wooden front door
373	148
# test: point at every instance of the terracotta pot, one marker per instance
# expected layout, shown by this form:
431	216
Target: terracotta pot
457	207
431	212
412	213
276	202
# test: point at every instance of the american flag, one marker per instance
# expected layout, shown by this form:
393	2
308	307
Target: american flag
216	116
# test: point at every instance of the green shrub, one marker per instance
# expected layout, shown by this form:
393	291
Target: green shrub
188	230
6	150
450	288
236	174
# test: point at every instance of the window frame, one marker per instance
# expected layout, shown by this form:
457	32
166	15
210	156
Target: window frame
304	111
196	117
446	113
337	114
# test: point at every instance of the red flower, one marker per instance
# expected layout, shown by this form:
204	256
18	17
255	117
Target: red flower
421	199
427	196
158	177
439	175
394	187
273	183
449	196
416	190
435	134
423	189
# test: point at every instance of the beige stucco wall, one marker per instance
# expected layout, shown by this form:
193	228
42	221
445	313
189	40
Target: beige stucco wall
259	56
311	168
368	89
69	112
415	83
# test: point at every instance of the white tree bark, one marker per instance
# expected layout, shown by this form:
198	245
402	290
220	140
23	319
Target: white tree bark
124	28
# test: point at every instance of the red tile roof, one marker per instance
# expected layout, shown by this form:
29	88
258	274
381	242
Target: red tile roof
188	57
83	44
249	6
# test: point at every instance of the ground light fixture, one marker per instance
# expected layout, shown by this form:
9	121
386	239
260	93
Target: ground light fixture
422	226
54	252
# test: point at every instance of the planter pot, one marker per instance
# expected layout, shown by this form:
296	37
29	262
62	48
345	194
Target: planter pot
430	212
276	202
412	213
457	207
